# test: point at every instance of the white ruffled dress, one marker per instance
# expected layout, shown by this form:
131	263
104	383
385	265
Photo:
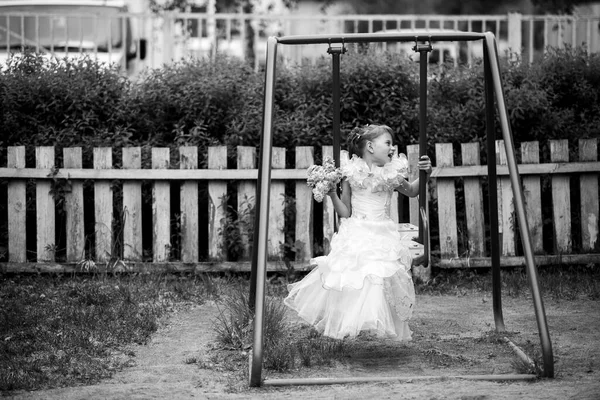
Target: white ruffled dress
364	283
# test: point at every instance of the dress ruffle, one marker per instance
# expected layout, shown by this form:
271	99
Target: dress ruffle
377	178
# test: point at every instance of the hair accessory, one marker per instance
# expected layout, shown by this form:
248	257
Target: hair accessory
356	132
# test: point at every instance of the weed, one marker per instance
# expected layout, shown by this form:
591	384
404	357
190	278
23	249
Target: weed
234	323
319	350
523	367
236	229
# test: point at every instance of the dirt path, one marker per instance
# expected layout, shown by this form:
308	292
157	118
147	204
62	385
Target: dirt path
452	327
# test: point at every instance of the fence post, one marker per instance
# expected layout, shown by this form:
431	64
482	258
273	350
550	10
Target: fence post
168	32
246	195
103	206
532	189
217	197
161	208
473	202
446	195
506	207
72	158
561	198
588	151
304	207
412	153
132	207
276	234
188	199
17	207
328	210
514	34
45	213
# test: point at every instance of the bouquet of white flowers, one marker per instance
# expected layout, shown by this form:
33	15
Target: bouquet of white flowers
323	178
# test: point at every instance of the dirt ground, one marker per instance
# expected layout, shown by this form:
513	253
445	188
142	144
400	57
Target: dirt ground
452	336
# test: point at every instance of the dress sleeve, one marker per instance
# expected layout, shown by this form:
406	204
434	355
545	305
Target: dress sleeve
400	164
395	170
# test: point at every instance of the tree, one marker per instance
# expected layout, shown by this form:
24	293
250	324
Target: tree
557	6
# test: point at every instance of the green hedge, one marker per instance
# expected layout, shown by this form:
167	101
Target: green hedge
198	102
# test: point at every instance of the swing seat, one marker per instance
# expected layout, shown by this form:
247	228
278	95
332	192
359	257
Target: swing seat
409	235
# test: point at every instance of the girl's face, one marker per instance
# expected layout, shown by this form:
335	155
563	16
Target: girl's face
381	149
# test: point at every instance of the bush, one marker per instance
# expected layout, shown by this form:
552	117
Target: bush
63	103
199	102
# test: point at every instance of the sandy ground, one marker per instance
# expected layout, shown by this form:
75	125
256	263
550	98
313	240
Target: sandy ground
449	339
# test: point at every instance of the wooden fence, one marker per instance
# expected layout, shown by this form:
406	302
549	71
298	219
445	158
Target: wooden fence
180	218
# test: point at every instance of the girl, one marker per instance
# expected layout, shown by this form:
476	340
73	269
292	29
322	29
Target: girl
364	283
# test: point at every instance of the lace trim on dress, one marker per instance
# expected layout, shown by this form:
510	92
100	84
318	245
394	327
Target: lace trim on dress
400	301
378	179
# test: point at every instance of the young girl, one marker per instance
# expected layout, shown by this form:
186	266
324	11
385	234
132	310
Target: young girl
364	283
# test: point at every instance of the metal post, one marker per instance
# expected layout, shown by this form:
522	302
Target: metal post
532	274
493	193
335	63
423	50
335	57
259	250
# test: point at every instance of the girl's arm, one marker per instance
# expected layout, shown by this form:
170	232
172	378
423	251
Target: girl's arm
411	189
342	205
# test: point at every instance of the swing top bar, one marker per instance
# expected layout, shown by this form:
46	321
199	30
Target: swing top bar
380	37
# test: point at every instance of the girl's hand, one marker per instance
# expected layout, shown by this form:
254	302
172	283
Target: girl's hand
332	192
425	164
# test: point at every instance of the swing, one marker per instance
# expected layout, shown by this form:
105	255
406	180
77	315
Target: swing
493	86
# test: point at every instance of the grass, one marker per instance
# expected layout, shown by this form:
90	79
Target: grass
58	331
65	331
555	282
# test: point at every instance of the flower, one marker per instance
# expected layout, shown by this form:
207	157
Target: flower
323	178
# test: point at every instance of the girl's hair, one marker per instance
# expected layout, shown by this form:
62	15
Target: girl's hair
359	136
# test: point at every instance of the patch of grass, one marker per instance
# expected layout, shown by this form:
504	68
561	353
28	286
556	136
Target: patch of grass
234	323
557	282
58	331
319	350
285	347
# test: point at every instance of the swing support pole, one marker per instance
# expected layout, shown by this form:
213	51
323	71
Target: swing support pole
490	125
335	69
259	251
515	181
423	49
259	248
336	52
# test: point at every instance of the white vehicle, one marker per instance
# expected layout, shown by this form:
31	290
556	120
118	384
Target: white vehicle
70	28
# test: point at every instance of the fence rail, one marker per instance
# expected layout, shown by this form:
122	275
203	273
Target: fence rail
182	218
120	37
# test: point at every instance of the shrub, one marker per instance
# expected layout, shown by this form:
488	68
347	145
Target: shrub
66	103
200	102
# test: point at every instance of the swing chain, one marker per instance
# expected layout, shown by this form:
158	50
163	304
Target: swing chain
419	47
337	49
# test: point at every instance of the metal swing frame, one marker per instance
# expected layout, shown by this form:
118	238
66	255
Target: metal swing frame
493	93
